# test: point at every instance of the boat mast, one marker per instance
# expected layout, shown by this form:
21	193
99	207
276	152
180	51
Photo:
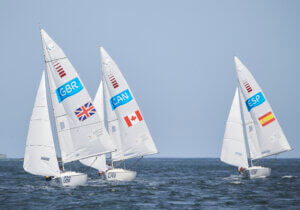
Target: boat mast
62	162
244	124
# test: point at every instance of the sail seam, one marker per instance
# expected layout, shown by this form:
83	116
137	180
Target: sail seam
80	126
54	59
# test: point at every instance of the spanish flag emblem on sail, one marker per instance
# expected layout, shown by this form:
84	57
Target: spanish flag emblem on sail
266	119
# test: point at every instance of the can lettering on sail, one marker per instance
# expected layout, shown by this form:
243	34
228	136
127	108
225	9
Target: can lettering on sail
70	88
120	99
255	101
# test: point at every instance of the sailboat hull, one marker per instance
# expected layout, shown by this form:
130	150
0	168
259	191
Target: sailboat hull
257	172
119	174
70	179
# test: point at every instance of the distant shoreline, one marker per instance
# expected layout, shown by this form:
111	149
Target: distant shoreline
59	159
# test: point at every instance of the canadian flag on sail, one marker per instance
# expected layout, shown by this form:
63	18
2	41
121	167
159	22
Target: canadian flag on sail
133	118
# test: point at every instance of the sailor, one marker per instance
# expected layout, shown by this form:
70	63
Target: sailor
241	169
48	178
109	167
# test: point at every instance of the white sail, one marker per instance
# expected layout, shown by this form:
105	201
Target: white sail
113	126
98	102
62	123
135	136
269	133
233	148
40	156
97	162
253	144
89	138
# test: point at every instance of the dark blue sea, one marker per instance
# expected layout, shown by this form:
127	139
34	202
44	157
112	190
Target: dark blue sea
161	183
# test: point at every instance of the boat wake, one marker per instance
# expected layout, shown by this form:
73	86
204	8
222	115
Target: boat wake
288	177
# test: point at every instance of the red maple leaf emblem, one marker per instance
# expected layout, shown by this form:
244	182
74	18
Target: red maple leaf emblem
133	118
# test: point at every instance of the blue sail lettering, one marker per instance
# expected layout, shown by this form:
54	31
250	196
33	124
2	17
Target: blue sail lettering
255	101
68	89
120	99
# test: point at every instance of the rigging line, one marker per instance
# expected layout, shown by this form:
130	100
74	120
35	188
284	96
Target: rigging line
94	161
135	162
119	163
39	145
112	120
273	160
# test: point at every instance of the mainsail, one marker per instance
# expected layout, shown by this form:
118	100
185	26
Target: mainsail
269	133
135	136
89	137
233	148
40	156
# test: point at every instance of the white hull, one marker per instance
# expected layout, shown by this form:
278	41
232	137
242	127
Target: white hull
119	174
70	178
257	172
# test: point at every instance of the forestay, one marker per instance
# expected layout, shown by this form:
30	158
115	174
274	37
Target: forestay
89	138
233	148
40	156
271	138
135	136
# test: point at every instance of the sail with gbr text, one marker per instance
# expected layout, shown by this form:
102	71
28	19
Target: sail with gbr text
89	137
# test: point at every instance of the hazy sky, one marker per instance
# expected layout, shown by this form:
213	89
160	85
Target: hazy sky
177	57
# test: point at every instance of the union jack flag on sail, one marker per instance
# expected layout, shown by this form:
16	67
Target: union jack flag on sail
85	111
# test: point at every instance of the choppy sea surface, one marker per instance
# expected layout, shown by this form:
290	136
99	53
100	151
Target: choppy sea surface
161	183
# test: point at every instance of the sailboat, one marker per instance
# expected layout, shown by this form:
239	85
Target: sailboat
251	113
125	122
79	128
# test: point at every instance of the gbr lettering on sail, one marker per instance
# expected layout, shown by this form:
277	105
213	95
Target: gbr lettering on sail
68	89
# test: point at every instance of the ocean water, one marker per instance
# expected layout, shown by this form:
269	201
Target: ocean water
161	183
